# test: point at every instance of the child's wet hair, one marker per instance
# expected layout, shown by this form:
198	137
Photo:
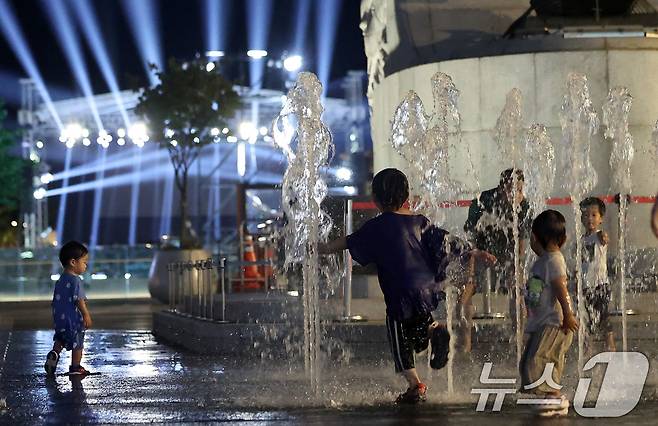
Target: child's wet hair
506	176
390	188
593	201
72	250
550	227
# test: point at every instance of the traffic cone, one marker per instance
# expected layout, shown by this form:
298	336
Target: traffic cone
250	271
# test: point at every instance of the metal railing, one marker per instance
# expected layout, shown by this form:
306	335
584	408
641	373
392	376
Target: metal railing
193	287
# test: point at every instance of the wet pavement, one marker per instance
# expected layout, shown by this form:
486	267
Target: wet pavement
146	381
143	381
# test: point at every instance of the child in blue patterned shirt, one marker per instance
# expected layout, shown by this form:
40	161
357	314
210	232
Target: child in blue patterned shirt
70	314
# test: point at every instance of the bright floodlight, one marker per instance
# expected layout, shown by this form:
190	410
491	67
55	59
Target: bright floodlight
121	132
231	139
214	131
257	53
263	131
343	173
292	63
39	144
214	53
46	178
138	132
349	190
210	66
72	132
14	223
121	141
39	194
247	131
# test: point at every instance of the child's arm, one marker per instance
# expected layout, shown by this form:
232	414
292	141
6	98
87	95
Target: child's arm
569	322
86	317
483	256
334	246
603	237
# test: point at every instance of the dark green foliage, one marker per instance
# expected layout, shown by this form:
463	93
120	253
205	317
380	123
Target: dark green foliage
11	181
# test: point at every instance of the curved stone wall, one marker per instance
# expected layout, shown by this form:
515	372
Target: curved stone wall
484	83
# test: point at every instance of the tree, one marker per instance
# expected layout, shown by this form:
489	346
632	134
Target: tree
11	176
181	112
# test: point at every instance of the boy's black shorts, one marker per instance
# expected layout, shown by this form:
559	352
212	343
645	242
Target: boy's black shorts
406	338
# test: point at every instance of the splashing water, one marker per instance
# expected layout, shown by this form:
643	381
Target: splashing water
615	118
539	166
506	135
423	140
509	127
579	124
302	193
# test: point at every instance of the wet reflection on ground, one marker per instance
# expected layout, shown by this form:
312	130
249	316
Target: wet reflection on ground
144	381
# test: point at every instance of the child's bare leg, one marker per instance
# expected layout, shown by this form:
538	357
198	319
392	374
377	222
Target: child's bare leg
57	347
76	357
411	376
610	342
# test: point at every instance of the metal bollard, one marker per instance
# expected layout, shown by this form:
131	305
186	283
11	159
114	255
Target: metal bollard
347	283
169	284
222	271
486	301
210	264
199	272
185	278
174	285
203	290
188	288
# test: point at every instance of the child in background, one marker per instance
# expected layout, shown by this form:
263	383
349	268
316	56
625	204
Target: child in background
70	314
596	290
551	323
411	257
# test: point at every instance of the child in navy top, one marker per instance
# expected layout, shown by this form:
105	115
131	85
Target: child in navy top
70	314
411	257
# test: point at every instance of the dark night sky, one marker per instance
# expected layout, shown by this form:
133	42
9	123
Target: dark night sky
182	35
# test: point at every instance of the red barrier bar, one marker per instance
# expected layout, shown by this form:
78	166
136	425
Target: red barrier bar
557	201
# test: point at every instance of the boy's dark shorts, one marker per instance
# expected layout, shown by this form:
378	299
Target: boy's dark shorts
70	339
406	338
597	300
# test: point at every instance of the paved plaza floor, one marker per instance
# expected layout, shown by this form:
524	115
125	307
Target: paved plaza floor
145	381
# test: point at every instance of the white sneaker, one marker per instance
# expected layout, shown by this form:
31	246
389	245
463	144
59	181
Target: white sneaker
558	409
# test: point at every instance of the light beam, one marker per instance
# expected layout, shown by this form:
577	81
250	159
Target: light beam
327	14
143	18
14	35
91	29
259	14
63	28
